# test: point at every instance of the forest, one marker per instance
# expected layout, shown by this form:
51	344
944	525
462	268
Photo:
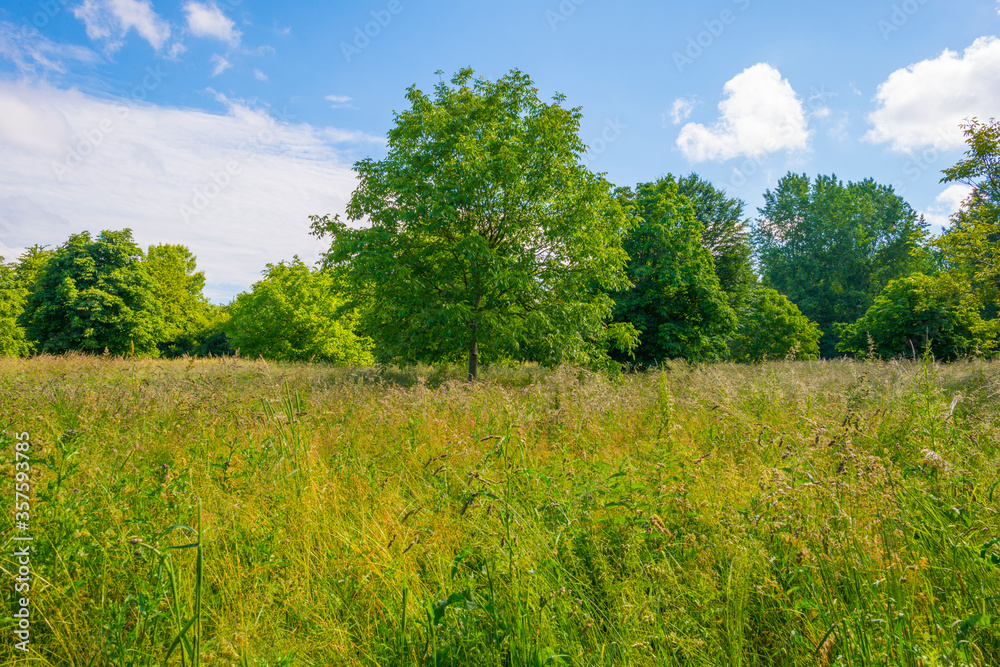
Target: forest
481	237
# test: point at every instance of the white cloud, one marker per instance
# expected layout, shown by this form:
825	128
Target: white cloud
340	101
260	76
681	110
760	114
248	181
221	64
110	21
922	105
207	20
946	203
31	51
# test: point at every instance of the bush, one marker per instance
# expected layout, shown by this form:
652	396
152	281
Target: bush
296	314
773	327
920	314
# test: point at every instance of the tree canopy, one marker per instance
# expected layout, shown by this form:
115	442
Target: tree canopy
971	244
296	313
485	234
831	248
921	313
724	232
13	341
95	294
772	327
675	300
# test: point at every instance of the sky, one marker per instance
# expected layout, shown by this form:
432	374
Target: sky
223	125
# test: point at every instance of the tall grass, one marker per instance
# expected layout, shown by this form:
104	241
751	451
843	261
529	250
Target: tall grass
231	512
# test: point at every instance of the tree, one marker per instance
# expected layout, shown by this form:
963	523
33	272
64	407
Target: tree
187	314
921	313
95	294
675	300
296	314
772	327
724	233
831	248
13	342
971	245
487	237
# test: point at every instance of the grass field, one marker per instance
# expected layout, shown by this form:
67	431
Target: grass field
818	513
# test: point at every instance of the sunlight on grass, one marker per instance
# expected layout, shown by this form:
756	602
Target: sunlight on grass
244	513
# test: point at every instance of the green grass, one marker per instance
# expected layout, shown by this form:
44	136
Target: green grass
232	512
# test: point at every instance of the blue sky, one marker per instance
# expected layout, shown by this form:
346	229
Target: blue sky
223	125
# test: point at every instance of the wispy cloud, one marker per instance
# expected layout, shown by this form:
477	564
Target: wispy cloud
237	188
33	53
221	64
110	20
682	108
260	76
340	101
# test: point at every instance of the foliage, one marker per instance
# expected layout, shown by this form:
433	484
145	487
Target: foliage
772	327
94	295
295	313
12	295
487	236
809	514
921	314
971	245
831	248
178	287
724	233
675	301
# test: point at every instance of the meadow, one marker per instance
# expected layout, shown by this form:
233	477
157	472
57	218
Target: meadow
237	512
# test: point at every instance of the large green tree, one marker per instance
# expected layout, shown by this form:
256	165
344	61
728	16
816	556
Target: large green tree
296	313
13	341
921	313
675	300
485	236
178	285
971	244
831	248
95	294
724	232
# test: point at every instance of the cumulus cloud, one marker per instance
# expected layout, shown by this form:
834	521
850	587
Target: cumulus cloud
237	188
922	105
207	20
110	20
946	203
260	76
760	114
221	64
681	110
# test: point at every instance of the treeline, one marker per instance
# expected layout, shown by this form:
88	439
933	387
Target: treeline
486	239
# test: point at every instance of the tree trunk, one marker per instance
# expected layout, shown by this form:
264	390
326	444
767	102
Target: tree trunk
473	360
